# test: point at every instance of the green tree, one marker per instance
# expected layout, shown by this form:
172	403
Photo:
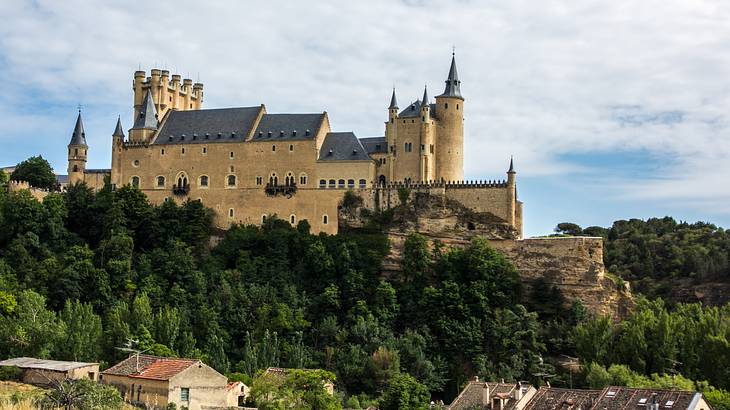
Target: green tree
82	333
37	172
32	330
405	392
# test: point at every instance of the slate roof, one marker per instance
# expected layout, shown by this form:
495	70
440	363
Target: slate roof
147	117
453	85
615	398
41	364
98	171
150	367
342	146
118	131
62	179
549	398
191	127
393	101
374	144
277	127
472	396
79	136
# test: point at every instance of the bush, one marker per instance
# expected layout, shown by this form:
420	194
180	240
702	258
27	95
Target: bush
10	373
403	195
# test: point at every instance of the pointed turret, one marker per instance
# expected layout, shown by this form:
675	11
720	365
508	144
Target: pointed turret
79	136
393	101
118	131
147	118
511	166
453	85
424	100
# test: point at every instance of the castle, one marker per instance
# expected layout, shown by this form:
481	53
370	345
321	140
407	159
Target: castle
247	164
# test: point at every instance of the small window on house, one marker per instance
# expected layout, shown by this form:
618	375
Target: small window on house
351	183
204	180
184	394
363	183
323	183
230	212
333	183
135	182
303	179
160	181
231	180
325	219
259	180
341	183
273	148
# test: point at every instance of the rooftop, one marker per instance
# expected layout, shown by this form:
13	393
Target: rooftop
549	398
342	146
150	367
641	399
42	364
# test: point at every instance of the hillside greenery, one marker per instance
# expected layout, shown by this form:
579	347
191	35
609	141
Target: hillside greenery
83	274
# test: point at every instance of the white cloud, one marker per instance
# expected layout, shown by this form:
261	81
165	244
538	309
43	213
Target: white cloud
541	79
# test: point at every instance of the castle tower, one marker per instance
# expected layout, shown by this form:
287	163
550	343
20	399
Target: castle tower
391	136
117	144
426	171
77	153
145	124
450	129
515	219
168	92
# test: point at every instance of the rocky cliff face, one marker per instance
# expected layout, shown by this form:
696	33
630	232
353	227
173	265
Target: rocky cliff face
572	264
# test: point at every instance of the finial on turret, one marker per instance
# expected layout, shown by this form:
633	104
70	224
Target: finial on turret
511	166
424	100
393	101
79	136
118	131
453	85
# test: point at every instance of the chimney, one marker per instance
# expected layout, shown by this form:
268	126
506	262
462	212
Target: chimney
485	395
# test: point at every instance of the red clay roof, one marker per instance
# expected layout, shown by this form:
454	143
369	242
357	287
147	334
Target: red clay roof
150	367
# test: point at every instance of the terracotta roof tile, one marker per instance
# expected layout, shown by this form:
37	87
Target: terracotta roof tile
150	367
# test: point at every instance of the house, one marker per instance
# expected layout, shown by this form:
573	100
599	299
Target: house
154	382
616	398
493	396
550	398
43	372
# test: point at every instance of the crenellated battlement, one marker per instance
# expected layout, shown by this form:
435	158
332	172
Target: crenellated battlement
168	92
447	184
37	193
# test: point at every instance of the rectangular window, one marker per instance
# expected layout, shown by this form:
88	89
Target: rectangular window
205	150
259	180
184	394
231	154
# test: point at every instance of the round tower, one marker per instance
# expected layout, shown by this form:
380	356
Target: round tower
77	153
449	140
391	136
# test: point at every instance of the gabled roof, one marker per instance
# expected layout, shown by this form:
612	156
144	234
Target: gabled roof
549	398
42	364
79	136
615	398
150	367
275	127
374	145
342	146
207	126
472	396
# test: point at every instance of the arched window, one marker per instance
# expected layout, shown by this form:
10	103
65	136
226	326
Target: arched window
363	183
333	183
273	148
351	183
182	180
259	180
231	180
135	181
273	179
76	168
230	212
323	183
292	219
289	179
381	180
263	219
302	179
325	219
204	181
341	183
161	181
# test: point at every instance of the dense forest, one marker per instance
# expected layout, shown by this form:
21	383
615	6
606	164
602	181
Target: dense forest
83	274
654	254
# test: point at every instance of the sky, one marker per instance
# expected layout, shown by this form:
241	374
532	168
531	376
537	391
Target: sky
612	109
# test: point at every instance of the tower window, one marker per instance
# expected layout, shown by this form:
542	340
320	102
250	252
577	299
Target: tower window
76	152
263	219
183	151
292	219
323	183
351	183
259	180
230	154
231	180
404	121
135	181
432	148
446	106
341	183
160	181
273	148
76	168
231	169
204	180
291	147
135	163
325	219
162	151
303	179
457	106
362	183
333	183
230	212
205	150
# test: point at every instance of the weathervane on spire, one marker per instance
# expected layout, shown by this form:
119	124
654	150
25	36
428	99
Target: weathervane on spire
79	107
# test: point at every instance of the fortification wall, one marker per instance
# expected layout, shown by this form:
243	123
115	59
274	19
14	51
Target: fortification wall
37	193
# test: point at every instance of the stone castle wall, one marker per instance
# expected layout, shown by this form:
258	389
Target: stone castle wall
37	193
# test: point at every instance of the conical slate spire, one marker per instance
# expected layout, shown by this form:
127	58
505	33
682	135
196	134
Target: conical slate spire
147	118
511	166
118	131
424	100
393	101
79	136
453	85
